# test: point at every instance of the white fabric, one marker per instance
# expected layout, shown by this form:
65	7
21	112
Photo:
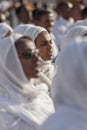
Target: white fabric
69	89
55	48
59	30
78	23
33	31
29	30
23	106
77	31
21	28
4	29
47	68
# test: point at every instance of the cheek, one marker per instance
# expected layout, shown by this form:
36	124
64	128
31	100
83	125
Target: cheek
26	66
43	51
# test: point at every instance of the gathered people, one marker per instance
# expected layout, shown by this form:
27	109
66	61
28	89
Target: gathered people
69	89
23	106
44	44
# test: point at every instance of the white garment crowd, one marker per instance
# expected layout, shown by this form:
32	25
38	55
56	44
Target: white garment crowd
56	100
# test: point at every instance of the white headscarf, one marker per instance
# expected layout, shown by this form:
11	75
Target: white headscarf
47	67
29	30
78	23
69	89
21	28
77	31
23	106
4	29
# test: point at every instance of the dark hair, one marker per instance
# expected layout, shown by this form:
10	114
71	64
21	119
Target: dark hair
19	9
84	12
21	39
37	14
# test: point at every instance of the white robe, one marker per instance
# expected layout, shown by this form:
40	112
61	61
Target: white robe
23	106
69	90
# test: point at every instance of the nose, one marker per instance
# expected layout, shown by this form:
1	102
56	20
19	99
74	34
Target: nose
49	46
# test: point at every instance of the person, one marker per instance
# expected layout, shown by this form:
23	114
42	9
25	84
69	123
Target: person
69	89
23	14
46	18
43	43
62	23
23	106
5	30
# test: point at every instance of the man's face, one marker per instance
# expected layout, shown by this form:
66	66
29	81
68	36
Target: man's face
47	21
29	60
44	45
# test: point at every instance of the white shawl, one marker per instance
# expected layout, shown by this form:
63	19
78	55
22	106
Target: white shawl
23	106
4	29
69	90
47	68
77	31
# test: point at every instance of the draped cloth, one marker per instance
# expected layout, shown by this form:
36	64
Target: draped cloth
4	29
47	68
77	31
69	89
23	106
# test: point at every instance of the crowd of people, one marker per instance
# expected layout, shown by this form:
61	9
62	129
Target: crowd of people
43	61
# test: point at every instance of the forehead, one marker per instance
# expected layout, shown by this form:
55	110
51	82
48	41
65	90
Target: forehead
47	16
43	36
24	44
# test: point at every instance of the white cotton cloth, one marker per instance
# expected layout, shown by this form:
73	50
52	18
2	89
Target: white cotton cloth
23	106
29	30
4	29
21	28
77	31
33	31
69	89
47	68
78	23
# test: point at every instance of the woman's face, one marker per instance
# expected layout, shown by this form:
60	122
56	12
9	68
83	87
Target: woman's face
28	57
43	43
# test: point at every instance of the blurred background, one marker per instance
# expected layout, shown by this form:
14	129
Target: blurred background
8	7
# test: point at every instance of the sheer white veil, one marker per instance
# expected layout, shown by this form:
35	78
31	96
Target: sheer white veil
77	31
11	71
69	85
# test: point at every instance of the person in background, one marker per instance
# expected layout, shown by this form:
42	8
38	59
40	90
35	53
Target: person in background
23	14
45	18
62	22
23	106
69	89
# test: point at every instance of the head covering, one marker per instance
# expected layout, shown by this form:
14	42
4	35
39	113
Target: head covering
29	30
4	29
22	105
21	28
34	31
78	23
77	31
69	89
72	68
